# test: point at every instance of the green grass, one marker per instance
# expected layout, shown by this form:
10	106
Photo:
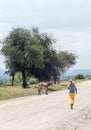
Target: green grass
9	92
60	86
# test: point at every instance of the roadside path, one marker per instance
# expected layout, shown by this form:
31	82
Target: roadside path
48	112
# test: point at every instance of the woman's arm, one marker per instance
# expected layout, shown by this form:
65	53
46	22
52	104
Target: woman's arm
68	87
75	88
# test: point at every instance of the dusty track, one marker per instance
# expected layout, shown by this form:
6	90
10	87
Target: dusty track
48	112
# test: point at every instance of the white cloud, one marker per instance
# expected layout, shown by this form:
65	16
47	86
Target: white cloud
68	20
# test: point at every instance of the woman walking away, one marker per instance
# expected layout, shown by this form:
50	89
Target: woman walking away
72	89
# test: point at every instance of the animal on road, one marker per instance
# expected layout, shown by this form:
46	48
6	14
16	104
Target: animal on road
44	86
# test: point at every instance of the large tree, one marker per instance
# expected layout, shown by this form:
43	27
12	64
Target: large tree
22	51
32	53
55	64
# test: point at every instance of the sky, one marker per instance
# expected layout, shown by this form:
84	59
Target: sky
68	21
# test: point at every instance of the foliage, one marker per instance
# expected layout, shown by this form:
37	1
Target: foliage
1	82
31	53
22	51
32	80
65	61
7	92
79	76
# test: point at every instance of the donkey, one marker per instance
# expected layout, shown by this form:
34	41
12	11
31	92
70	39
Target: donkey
45	86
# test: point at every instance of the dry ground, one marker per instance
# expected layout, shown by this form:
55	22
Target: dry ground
48	112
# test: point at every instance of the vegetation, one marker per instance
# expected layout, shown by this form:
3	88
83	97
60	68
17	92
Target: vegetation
79	76
9	92
31	53
15	92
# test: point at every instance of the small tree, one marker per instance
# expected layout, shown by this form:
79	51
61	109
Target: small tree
79	76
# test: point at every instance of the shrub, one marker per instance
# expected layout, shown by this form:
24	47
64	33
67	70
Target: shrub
33	80
79	76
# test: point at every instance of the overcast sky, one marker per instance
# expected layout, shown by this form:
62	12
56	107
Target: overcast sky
69	22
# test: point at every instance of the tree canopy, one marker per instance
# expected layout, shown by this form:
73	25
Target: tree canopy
32	54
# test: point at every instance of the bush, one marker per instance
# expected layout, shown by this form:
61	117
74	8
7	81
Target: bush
79	76
33	80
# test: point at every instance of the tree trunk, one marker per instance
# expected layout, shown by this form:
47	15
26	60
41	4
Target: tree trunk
55	80
24	84
12	82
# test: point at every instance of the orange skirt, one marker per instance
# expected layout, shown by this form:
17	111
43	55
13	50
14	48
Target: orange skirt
72	97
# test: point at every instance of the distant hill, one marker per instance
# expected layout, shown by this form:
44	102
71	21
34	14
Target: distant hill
70	74
79	71
3	76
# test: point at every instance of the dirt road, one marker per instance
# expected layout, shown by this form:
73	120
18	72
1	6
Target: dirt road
48	112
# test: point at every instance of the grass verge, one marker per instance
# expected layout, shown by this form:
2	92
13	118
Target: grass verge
8	92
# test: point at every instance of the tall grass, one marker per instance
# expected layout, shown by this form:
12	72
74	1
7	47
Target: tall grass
9	92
